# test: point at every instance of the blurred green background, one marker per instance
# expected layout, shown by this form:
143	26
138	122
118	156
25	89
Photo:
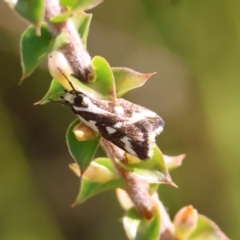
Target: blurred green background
194	46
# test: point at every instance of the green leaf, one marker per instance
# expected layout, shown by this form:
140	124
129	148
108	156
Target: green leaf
34	48
85	88
60	41
61	17
104	85
89	189
80	4
138	228
153	170
31	10
54	92
207	229
82	151
106	162
153	187
82	21
127	79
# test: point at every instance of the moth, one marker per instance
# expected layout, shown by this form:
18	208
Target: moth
129	126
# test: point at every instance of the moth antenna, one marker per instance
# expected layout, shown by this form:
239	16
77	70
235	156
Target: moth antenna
75	91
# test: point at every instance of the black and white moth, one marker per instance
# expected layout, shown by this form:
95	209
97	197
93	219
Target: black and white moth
129	126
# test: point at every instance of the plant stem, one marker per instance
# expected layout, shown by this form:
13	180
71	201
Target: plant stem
74	51
136	188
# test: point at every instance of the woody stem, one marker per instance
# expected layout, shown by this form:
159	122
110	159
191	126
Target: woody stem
136	188
74	51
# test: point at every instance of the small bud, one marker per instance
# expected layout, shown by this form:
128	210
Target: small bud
58	67
185	222
94	173
124	200
83	132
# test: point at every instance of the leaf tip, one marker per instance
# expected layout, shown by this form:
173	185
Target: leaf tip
21	80
170	182
174	161
74	204
38	103
150	74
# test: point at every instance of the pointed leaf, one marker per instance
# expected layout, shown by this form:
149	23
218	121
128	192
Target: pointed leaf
54	92
31	10
80	4
153	170
127	79
153	187
106	162
173	162
31	55
61	17
60	41
138	228
82	151
207	229
89	188
104	85
34	48
82	21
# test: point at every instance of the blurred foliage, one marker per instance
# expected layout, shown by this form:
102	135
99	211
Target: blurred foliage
22	215
198	99
206	34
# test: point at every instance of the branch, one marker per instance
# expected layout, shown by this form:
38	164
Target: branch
80	62
74	51
136	188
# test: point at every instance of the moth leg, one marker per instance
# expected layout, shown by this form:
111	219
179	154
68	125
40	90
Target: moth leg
58	101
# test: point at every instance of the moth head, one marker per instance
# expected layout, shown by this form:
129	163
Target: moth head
74	99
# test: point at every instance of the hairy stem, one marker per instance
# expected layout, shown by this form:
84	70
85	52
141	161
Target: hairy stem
74	51
136	188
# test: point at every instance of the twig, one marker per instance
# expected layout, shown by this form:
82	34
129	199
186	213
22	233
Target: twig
136	188
77	56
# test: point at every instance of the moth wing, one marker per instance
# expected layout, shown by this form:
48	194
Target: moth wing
144	146
137	113
130	127
133	138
